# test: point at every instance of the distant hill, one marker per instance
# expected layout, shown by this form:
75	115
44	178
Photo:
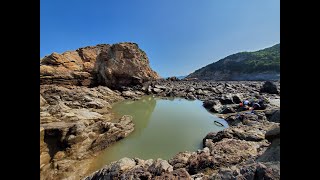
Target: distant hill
259	65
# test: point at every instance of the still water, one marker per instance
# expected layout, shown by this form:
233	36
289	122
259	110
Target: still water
162	129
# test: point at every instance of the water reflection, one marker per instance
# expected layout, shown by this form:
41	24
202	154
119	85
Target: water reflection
140	110
163	127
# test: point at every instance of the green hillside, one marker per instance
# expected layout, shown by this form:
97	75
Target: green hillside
265	60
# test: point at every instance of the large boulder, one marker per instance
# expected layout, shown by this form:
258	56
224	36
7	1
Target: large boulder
180	160
160	166
226	99
213	105
122	165
275	116
114	65
269	87
200	160
273	133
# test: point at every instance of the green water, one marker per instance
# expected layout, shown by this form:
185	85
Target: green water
162	129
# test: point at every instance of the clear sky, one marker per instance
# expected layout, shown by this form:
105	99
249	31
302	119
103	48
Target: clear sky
179	36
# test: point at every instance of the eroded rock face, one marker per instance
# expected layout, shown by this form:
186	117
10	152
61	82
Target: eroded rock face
116	65
75	123
265	166
44	151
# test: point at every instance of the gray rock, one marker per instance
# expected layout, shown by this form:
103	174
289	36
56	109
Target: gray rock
180	160
122	165
128	94
213	105
191	89
159	166
275	117
237	98
156	90
95	104
272	134
272	153
227	110
269	87
199	176
160	87
191	96
226	99
200	92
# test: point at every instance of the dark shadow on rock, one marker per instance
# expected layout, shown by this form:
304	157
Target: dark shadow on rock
53	139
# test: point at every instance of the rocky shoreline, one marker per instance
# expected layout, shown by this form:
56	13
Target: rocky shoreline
75	103
248	149
81	118
76	121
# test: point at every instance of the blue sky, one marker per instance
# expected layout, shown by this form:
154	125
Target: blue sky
179	36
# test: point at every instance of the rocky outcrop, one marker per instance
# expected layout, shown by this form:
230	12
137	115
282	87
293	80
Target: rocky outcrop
265	166
223	93
253	132
116	65
127	168
74	125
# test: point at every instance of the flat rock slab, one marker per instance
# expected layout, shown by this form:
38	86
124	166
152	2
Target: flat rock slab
275	102
57	125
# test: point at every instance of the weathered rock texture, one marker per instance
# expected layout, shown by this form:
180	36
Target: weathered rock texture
77	90
114	65
248	149
75	124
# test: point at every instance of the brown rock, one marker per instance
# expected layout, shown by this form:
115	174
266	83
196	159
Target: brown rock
174	175
114	133
180	160
44	151
254	132
42	101
59	155
200	160
112	65
231	151
160	166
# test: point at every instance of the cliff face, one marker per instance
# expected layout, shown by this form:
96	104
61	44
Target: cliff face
259	65
116	65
